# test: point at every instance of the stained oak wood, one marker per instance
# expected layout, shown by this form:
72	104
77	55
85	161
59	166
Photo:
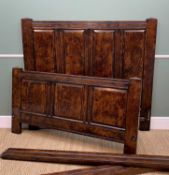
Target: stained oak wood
99	107
44	42
88	158
69	101
133	101
148	70
16	97
107	170
118	49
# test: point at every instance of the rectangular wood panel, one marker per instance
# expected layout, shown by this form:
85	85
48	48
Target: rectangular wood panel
44	50
109	107
34	96
102	53
69	101
73	43
134	42
118	54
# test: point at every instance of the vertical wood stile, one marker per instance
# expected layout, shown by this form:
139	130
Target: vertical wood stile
133	107
148	74
16	100
28	44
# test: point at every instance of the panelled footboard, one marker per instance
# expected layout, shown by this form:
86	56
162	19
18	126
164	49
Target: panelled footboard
101	107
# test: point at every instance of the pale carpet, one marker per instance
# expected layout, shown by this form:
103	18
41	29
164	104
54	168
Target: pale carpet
154	142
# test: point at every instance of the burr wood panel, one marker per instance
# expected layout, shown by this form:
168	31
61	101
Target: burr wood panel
34	96
108	105
102	53
73	54
44	48
133	53
69	101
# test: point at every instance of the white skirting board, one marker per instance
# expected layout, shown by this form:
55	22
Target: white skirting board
159	122
156	122
5	121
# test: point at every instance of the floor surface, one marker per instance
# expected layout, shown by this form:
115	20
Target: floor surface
155	142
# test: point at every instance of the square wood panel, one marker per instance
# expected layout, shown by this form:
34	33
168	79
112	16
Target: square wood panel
109	106
69	101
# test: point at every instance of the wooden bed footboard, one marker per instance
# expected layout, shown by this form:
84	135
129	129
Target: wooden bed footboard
101	107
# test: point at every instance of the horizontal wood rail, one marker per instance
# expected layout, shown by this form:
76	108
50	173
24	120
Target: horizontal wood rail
88	158
106	170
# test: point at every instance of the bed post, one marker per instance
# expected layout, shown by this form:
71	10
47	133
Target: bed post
28	46
132	116
28	49
148	72
16	97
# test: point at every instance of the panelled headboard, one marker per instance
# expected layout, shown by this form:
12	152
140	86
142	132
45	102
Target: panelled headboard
119	49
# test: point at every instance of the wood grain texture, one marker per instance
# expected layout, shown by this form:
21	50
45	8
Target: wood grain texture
103	105
34	96
87	158
131	121
44	42
133	53
28	44
102	53
85	105
148	70
16	100
118	49
73	51
69	101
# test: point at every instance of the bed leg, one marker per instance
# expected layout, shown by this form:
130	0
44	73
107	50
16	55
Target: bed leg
16	125
128	149
16	100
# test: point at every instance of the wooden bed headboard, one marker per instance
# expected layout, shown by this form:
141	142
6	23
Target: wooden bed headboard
119	49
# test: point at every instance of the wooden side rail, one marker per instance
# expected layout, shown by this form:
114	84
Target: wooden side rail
88	158
106	170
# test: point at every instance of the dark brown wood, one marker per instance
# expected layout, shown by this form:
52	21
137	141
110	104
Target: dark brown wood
130	145
93	170
16	100
88	158
91	106
148	70
118	49
106	170
28	43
